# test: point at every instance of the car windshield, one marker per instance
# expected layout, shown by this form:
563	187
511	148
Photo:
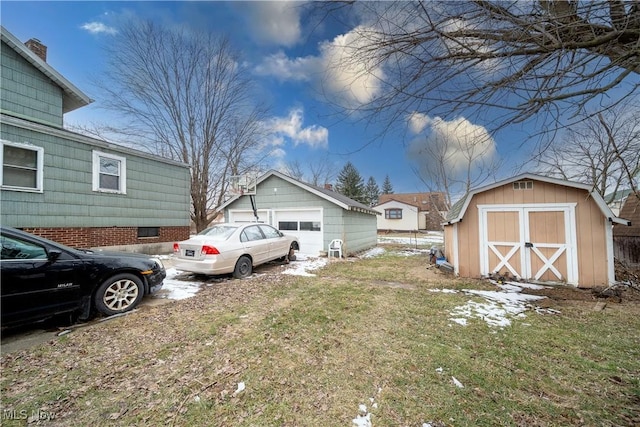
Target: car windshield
218	232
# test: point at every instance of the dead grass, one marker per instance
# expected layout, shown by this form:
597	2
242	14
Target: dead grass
310	349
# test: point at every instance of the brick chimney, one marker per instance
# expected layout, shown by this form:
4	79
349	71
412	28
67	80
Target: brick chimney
38	48
328	187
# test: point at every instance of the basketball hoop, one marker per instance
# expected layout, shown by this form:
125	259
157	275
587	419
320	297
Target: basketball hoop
242	185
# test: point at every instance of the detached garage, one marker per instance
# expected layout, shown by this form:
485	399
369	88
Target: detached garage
533	228
314	214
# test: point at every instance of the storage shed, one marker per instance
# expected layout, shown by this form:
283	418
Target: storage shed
533	228
316	215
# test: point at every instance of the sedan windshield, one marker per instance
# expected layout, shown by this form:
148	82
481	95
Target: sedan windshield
218	232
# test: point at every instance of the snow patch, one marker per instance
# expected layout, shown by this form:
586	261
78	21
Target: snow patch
374	252
304	264
173	288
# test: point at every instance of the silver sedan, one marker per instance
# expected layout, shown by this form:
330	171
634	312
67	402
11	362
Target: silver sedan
233	248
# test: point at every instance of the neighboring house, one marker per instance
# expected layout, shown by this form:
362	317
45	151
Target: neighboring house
616	200
315	215
71	188
626	240
533	228
411	211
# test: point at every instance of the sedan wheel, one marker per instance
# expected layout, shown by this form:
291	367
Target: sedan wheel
244	268
119	294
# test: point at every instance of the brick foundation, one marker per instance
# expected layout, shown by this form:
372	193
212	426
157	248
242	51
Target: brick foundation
90	237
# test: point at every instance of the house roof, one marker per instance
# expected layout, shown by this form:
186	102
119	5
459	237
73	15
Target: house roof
332	196
73	136
380	205
423	201
457	211
631	211
618	196
73	98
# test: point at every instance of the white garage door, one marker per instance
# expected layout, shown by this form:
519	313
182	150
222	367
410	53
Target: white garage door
248	216
305	224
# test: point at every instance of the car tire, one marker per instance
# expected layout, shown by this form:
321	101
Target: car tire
244	268
119	294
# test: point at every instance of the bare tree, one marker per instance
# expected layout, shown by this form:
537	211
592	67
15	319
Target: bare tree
294	169
518	57
186	95
453	157
603	151
318	171
322	171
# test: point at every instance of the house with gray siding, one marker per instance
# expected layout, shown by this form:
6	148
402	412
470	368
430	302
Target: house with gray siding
71	188
316	215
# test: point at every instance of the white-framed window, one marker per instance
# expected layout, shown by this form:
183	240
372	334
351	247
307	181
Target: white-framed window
109	173
22	167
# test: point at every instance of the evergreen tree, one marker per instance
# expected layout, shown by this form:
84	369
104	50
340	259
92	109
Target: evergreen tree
386	186
350	183
371	192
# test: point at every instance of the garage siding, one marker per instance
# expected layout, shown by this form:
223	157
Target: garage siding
356	229
359	226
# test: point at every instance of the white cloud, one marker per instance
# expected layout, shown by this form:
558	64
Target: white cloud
458	143
277	153
417	122
98	28
283	68
347	76
290	128
276	22
346	80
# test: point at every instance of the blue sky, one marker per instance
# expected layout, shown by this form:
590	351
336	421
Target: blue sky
283	49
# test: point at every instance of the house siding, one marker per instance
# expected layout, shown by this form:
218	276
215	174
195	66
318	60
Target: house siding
156	195
590	228
410	217
27	92
626	239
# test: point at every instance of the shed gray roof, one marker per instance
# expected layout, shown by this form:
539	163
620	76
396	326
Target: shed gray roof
459	208
332	196
73	98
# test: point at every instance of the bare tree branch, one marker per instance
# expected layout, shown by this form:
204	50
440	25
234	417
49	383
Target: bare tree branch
602	151
187	97
521	58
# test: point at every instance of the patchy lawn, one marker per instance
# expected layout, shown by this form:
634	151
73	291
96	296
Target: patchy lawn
308	350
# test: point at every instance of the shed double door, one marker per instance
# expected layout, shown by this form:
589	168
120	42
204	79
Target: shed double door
531	242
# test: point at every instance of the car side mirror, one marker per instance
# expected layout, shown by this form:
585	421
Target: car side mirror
53	255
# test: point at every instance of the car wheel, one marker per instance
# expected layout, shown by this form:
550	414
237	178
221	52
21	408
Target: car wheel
244	267
292	254
119	294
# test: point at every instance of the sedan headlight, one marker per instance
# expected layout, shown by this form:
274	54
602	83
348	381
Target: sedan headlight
158	262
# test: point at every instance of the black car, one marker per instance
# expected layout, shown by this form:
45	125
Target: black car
41	279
